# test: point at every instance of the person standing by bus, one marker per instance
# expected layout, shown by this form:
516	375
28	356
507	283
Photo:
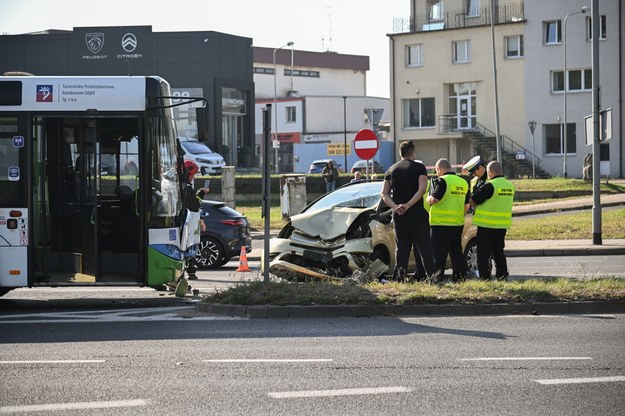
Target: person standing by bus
493	217
449	201
192	202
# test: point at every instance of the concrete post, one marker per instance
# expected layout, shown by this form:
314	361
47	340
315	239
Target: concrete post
227	186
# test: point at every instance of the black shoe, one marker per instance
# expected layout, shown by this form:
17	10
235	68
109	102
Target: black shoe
503	278
191	277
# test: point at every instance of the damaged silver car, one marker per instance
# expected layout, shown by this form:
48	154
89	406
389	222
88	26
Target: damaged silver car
346	233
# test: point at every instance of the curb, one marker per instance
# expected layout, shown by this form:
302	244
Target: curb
359	311
573	252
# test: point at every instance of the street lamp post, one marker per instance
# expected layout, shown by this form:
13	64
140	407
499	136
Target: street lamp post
584	9
275	107
532	126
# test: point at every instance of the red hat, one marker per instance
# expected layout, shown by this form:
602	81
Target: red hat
190	167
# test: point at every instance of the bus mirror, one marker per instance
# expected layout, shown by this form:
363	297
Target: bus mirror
201	114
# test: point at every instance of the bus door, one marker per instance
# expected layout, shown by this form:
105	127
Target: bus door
91	228
14	212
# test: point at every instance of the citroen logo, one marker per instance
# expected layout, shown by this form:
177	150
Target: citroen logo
129	42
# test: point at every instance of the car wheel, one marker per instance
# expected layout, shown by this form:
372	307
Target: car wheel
470	256
210	254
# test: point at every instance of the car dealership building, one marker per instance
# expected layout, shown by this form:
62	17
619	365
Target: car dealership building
214	65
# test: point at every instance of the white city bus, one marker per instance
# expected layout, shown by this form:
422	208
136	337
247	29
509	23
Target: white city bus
89	183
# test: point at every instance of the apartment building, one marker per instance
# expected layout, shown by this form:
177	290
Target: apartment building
458	82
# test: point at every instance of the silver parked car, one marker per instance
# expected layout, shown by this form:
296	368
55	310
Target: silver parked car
345	233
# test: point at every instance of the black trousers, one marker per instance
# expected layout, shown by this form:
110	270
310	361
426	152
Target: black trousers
491	242
447	240
412	233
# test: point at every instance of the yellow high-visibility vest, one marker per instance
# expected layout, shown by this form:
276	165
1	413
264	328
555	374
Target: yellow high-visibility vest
450	209
496	212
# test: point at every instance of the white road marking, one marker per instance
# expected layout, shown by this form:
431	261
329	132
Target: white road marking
72	406
524	358
270	360
53	362
339	392
581	380
114	315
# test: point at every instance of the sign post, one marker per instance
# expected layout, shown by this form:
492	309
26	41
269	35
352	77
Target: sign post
366	146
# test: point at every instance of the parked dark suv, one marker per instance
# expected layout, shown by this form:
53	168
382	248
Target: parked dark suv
227	231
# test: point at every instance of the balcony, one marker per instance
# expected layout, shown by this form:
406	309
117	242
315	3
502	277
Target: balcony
455	19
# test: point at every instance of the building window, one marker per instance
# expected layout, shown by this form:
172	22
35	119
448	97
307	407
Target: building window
554	139
602	28
461	51
472	8
577	80
300	73
553	33
291	114
258	70
414	55
419	112
435	9
514	46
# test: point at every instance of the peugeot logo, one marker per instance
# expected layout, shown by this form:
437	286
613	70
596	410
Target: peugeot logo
129	42
94	41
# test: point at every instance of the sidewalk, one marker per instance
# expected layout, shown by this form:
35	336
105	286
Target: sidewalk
517	248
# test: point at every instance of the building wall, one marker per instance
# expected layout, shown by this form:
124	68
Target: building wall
548	108
438	71
331	82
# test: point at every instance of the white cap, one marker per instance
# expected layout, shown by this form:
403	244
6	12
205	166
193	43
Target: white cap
473	164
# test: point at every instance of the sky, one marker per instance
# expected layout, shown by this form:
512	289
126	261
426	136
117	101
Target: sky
353	27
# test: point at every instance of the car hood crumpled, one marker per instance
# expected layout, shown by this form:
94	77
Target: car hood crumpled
326	224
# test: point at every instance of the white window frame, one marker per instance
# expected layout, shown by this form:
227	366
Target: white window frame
585	75
603	29
472	8
435	9
414	55
461	51
291	114
519	47
558	28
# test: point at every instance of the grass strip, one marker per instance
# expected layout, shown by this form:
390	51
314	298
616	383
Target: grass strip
469	292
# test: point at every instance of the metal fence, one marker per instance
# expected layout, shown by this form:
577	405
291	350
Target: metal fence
460	18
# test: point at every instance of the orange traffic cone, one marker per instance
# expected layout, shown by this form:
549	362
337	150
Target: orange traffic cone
243	267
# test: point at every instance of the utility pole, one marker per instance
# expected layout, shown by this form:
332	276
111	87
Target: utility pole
596	109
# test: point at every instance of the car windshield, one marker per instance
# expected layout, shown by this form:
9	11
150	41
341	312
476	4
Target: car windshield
358	195
196	148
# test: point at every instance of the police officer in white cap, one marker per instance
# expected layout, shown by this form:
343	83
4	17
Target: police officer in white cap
477	169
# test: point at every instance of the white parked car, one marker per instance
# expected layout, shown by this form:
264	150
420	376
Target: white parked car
209	162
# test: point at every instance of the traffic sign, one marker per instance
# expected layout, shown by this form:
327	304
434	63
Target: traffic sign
366	144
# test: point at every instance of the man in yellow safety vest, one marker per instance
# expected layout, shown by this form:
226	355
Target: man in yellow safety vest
449	201
493	217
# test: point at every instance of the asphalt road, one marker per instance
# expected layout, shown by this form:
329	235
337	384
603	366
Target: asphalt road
508	365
